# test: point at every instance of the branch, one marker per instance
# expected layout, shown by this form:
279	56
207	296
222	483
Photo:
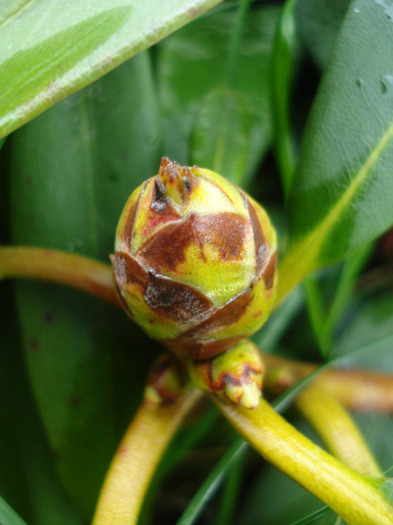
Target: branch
357	389
353	496
337	429
136	459
70	269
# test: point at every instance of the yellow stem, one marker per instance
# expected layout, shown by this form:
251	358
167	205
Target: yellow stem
136	459
361	390
337	429
353	496
357	389
74	270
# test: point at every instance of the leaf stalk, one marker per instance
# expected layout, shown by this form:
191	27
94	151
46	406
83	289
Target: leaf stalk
337	429
353	496
71	269
136	459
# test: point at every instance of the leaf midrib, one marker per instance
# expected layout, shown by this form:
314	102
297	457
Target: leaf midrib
303	257
16	13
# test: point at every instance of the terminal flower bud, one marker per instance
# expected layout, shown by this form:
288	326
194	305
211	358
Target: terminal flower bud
195	261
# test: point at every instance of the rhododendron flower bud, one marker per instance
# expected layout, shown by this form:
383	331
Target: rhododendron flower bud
195	261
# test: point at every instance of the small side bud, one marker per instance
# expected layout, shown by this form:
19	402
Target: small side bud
236	375
167	381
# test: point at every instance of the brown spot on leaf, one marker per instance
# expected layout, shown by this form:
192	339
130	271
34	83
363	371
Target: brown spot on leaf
226	232
33	344
74	401
49	317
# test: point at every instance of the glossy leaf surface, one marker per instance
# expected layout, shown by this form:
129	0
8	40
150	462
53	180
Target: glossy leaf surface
73	168
29	481
8	516
221	134
50	49
319	23
342	192
194	70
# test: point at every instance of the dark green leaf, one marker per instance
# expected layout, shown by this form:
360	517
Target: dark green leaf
342	193
221	135
387	488
278	500
212	483
49	49
311	518
319	23
8	516
370	328
72	170
194	64
28	481
284	60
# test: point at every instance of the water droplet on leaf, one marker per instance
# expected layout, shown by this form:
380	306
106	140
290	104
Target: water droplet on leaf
387	7
387	84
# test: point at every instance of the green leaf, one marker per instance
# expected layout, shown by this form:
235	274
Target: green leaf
319	23
311	518
28	481
221	136
8	516
284	60
212	483
371	329
278	500
72	170
49	49
194	64
387	488
342	193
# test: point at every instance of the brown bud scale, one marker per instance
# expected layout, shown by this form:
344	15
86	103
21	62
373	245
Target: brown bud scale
195	261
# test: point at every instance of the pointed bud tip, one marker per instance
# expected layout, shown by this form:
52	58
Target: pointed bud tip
174	181
246	395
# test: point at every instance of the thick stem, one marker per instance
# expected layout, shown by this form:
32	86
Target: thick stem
136	459
353	496
337	429
357	389
61	267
